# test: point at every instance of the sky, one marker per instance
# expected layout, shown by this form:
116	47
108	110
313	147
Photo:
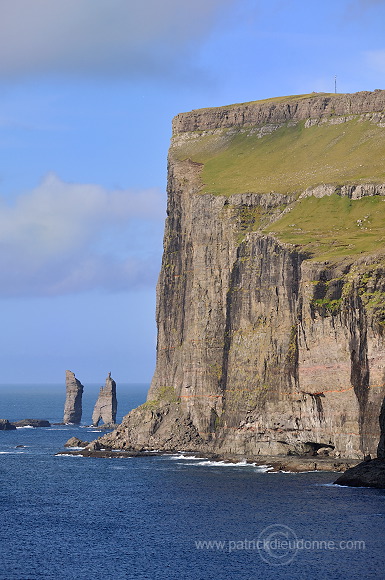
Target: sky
88	89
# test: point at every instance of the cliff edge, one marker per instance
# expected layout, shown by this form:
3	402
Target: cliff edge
270	301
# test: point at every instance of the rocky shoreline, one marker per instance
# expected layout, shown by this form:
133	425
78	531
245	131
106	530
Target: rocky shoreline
294	464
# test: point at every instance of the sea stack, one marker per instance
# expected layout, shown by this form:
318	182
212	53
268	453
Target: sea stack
106	405
73	404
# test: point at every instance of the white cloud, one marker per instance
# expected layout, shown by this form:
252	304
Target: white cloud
102	36
61	238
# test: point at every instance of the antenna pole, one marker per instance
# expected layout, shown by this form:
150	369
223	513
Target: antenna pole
335	84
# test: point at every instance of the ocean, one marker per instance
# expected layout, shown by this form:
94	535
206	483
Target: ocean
171	516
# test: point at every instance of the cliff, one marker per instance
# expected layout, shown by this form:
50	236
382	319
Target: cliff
270	301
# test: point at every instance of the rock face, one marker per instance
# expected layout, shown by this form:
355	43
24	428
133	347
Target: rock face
381	443
73	403
106	405
291	109
75	442
264	348
366	474
5	425
369	473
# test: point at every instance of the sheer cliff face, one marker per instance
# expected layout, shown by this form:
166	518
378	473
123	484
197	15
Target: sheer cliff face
264	345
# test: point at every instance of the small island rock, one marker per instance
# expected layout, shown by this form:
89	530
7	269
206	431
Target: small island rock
75	442
5	425
31	423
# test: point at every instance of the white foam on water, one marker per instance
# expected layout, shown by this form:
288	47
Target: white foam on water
263	468
210	463
11	452
289	472
67	455
185	457
332	485
26	427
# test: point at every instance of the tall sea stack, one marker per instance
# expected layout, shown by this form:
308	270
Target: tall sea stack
73	403
271	297
106	405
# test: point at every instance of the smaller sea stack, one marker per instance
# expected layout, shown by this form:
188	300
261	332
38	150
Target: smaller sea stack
106	405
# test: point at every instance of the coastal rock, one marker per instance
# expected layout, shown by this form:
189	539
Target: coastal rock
371	472
32	423
366	474
76	442
5	425
265	347
73	402
106	405
381	443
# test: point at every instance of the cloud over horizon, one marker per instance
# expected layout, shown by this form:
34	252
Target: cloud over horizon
100	37
62	238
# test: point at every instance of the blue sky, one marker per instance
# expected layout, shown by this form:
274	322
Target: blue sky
88	89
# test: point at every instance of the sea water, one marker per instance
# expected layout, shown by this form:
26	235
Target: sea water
172	516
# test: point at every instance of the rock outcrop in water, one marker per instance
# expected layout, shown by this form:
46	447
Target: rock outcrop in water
270	302
5	425
73	402
106	405
32	423
76	442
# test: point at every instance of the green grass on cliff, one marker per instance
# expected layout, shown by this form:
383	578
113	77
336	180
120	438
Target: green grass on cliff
334	227
290	159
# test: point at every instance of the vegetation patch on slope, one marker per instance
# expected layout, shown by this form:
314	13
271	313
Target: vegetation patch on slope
289	159
333	227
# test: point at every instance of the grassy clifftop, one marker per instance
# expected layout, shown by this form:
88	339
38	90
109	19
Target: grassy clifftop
291	156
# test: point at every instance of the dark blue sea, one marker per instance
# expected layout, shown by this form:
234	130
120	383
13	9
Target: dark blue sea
169	517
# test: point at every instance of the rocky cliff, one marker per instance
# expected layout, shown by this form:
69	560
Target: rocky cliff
270	301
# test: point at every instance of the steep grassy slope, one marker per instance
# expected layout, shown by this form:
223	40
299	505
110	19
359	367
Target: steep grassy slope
290	159
334	227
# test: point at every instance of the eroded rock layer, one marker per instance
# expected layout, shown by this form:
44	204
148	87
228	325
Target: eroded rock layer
270	339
